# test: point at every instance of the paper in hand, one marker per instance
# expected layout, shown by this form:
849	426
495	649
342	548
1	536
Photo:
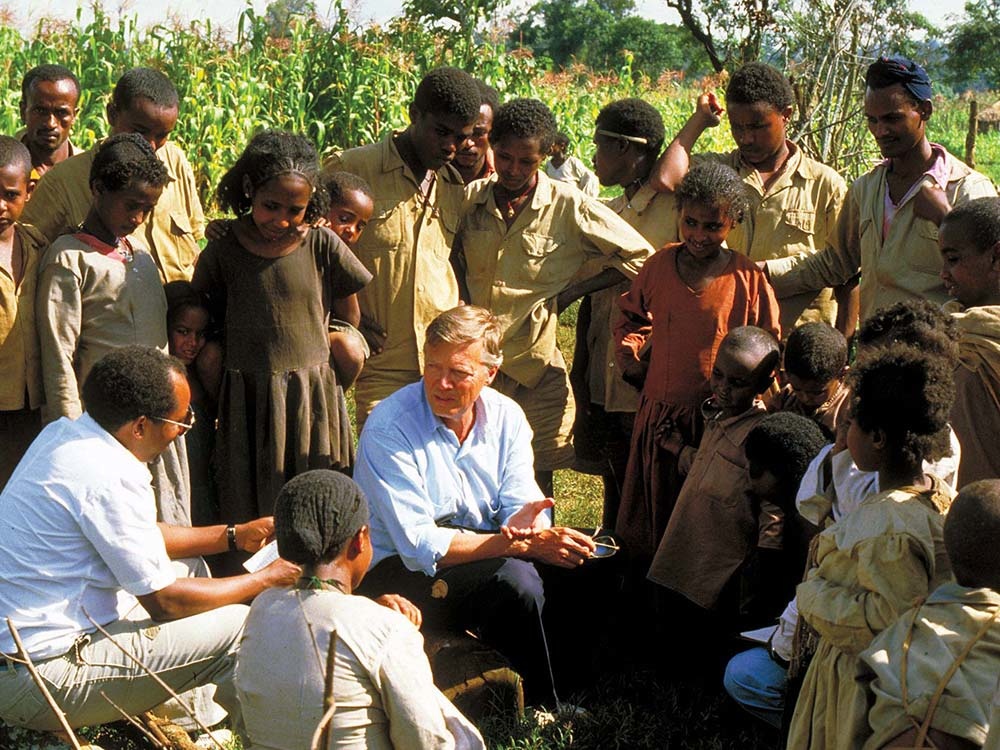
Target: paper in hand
262	557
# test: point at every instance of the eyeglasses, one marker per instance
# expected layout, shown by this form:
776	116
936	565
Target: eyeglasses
187	425
604	546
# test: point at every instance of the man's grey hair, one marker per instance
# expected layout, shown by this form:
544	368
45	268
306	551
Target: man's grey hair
465	324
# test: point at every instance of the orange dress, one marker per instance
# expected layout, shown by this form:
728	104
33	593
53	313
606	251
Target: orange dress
687	328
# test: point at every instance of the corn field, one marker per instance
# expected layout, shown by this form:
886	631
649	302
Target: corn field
340	84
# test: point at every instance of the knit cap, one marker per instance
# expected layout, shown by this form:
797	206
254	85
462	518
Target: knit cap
315	514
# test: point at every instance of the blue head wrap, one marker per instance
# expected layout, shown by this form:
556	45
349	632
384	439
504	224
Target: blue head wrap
887	71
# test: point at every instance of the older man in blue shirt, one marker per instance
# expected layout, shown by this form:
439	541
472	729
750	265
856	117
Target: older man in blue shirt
456	515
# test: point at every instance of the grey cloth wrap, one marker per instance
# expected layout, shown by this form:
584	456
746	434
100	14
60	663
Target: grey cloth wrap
315	514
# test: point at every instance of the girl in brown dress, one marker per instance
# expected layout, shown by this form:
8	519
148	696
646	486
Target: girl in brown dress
273	282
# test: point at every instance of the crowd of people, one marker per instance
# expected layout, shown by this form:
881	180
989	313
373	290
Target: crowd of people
175	390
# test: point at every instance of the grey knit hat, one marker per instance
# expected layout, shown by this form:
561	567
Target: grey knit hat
315	514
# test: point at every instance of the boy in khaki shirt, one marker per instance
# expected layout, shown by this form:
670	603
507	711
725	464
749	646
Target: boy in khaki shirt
407	244
144	102
20	373
521	244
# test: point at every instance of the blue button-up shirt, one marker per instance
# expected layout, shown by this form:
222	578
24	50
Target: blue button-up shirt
417	476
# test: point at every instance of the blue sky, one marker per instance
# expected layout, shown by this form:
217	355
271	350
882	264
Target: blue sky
225	12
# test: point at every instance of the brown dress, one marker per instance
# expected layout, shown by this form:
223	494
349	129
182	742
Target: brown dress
281	411
687	328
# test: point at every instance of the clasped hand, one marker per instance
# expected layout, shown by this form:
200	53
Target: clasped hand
560	546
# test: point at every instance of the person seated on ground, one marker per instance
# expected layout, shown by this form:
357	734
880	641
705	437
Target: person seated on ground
814	364
795	200
457	517
50	95
969	239
144	101
562	166
778	450
714	526
520	250
870	566
382	686
935	669
628	137
21	246
351	206
474	160
80	530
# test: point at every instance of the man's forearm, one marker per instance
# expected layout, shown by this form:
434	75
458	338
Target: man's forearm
194	541
466	548
606	278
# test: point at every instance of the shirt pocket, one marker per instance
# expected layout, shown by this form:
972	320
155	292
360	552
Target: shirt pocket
800	226
385	230
185	243
925	255
539	250
723	482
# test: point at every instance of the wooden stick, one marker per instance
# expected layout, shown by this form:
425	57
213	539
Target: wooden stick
156	679
154	728
23	653
138	725
321	737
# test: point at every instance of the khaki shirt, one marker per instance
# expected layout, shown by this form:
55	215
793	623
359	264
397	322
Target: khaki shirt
87	305
904	265
171	231
943	627
795	217
20	370
406	247
518	272
22	134
654	216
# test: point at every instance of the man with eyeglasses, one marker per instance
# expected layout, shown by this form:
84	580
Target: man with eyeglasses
49	98
80	531
458	521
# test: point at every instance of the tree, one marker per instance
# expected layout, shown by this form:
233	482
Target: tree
731	31
973	54
280	12
466	15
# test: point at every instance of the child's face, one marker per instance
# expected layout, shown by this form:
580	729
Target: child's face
704	228
151	121
186	336
863	447
736	379
351	215
14	193
812	394
278	207
517	160
473	151
970	275
122	211
758	129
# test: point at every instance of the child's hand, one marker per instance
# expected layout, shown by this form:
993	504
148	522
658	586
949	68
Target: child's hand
669	437
374	334
217	229
322	221
708	110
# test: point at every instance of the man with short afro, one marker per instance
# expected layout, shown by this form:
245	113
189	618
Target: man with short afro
796	201
628	137
407	244
144	101
527	247
49	98
474	160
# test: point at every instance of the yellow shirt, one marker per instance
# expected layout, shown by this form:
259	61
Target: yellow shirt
654	216
20	370
796	216
406	247
518	272
944	626
903	265
171	231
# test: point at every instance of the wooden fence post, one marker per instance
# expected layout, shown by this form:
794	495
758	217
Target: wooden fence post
970	138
